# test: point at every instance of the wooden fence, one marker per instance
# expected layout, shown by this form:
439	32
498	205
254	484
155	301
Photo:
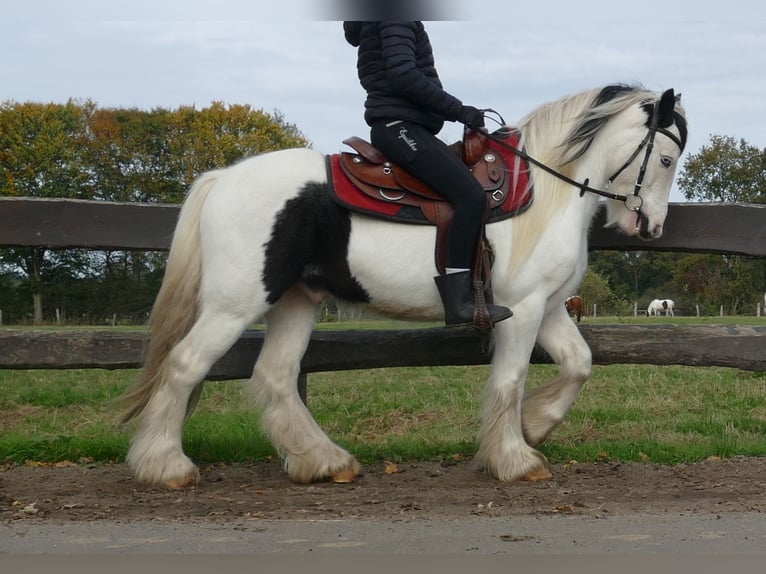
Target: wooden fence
60	223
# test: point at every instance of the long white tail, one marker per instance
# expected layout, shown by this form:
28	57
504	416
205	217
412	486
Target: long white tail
177	305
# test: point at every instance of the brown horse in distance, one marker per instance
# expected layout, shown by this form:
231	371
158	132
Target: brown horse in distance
575	306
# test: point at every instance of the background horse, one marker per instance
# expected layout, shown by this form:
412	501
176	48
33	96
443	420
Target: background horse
660	306
575	306
263	238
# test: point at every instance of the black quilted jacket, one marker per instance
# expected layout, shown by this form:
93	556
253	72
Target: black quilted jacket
395	64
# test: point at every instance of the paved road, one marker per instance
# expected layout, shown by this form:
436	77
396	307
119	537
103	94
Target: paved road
629	534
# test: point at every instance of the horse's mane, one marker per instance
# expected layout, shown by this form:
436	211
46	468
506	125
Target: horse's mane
610	101
559	133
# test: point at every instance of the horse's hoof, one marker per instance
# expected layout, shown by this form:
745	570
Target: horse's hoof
537	475
345	476
191	480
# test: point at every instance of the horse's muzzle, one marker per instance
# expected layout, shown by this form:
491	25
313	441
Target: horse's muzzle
643	229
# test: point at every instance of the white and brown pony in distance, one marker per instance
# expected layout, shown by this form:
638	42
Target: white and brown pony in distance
575	306
661	306
263	239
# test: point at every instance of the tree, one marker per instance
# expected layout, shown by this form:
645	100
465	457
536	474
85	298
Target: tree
154	156
77	150
710	281
728	171
128	156
636	275
40	156
725	170
596	290
220	135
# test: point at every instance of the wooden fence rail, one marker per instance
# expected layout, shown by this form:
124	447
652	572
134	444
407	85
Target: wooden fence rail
731	228
659	344
60	223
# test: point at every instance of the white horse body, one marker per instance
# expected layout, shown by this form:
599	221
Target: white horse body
661	307
217	283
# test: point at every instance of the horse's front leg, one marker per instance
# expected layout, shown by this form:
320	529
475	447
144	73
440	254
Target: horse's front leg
545	407
503	450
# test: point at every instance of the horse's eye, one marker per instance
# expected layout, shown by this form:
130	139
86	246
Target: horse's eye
666	160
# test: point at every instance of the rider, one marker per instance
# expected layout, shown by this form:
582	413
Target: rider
405	108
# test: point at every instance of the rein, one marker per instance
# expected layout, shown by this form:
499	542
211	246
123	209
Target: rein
632	202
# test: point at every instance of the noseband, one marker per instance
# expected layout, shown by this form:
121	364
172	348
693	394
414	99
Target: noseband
633	202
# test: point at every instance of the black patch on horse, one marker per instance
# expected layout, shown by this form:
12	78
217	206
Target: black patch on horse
612	91
309	243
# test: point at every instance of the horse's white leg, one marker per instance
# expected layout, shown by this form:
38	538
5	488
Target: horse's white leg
503	451
545	406
156	455
308	453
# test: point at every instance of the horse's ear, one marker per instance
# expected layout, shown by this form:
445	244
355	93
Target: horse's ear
667	104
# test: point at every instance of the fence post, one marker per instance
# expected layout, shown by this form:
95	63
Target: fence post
721	312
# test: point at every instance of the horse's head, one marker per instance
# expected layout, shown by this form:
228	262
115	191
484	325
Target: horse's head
641	146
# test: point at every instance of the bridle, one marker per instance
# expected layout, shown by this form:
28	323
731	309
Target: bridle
633	202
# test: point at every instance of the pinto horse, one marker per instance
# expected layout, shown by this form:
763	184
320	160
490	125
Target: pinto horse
264	239
659	306
575	306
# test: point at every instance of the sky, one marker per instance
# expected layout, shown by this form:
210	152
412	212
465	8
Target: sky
290	57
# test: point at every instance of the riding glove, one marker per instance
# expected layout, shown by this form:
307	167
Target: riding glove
471	117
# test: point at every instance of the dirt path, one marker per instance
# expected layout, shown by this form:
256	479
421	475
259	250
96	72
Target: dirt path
87	492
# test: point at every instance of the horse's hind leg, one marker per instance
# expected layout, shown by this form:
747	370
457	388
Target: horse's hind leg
309	455
156	455
546	406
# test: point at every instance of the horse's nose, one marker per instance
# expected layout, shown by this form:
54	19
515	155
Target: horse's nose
647	230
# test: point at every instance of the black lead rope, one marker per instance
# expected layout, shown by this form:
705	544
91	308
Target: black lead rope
583	187
632	202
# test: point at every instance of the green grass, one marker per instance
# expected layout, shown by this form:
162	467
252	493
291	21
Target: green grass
368	324
678	320
625	412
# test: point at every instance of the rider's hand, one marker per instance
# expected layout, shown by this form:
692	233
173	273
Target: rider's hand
471	117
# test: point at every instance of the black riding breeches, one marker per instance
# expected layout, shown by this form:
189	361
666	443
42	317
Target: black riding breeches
425	156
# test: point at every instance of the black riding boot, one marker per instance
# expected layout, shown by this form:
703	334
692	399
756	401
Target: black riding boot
456	291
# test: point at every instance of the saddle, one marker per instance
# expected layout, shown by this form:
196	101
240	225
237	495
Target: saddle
381	180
